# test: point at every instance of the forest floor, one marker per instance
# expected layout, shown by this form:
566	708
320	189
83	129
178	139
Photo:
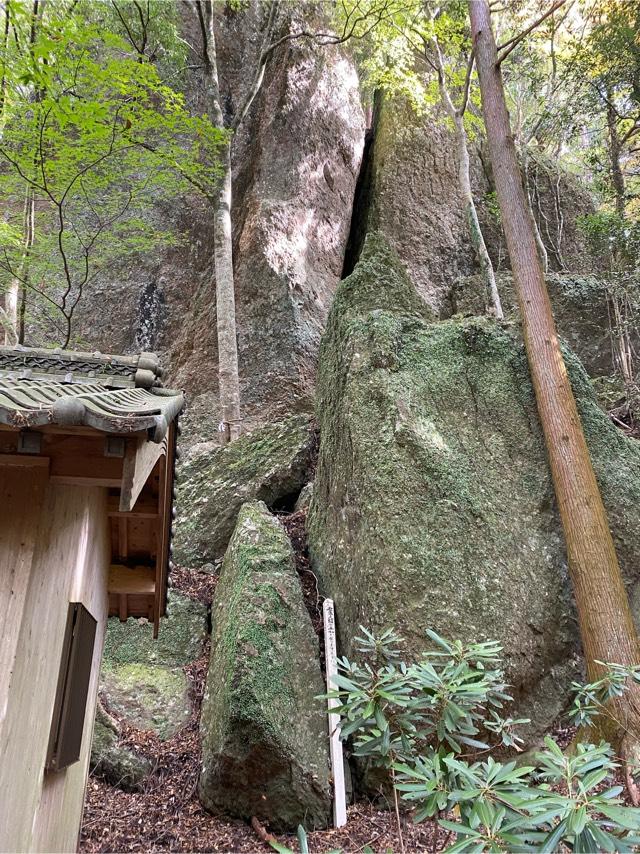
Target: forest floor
167	815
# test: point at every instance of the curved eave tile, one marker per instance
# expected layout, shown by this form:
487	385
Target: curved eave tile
29	403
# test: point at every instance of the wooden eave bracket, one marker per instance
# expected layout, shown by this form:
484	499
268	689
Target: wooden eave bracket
140	459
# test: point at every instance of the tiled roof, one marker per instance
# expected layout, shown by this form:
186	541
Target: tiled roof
115	394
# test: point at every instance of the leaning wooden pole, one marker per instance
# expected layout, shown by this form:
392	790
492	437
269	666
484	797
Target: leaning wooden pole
606	625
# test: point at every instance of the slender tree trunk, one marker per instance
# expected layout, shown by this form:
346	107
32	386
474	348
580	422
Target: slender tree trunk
464	182
15	294
617	178
228	375
228	378
477	239
604	616
3	62
542	249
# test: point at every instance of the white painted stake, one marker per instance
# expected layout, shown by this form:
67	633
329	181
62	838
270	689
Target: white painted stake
335	745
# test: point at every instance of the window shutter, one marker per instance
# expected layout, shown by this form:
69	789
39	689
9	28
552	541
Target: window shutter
65	740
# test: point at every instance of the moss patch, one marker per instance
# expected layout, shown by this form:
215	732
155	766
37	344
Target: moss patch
182	635
580	309
150	697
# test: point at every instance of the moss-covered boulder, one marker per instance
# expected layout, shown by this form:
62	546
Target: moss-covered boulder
264	735
142	679
149	696
116	764
271	464
180	640
580	306
433	505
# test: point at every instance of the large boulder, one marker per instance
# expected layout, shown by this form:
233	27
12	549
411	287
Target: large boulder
264	733
581	309
433	505
270	464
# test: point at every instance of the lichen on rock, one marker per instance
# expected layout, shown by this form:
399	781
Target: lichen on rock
433	505
149	696
142	681
184	631
264	733
271	464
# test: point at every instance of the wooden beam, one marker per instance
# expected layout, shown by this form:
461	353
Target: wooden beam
76	480
123	612
144	509
23	461
125	580
123	531
139	461
80	460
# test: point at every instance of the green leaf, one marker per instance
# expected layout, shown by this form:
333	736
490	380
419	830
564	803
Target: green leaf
626	817
302	840
550	843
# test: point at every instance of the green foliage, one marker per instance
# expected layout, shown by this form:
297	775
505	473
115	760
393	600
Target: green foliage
450	698
395	45
428	724
93	135
591	699
493	207
302	842
612	236
501	811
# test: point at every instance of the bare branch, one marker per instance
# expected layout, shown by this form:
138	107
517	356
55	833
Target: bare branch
265	52
508	46
467	82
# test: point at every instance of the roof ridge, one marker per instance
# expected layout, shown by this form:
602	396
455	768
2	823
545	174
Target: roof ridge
141	370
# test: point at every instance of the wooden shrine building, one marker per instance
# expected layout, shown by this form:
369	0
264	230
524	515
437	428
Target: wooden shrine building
87	449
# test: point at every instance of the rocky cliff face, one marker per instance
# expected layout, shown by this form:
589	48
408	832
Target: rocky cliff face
296	160
413	200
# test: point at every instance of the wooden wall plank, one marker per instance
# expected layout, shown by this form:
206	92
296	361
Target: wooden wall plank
22	489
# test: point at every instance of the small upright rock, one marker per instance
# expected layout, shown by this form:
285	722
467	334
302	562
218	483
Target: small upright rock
264	735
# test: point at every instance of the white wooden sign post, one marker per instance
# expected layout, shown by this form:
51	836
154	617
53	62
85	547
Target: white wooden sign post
335	745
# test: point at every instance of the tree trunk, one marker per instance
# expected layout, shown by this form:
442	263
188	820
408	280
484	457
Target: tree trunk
617	178
464	181
606	625
477	239
15	294
228	378
542	249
